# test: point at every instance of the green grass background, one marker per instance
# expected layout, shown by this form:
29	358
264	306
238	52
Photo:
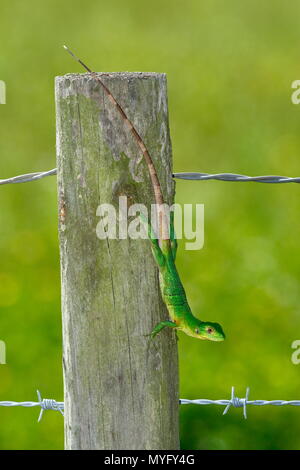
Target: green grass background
230	65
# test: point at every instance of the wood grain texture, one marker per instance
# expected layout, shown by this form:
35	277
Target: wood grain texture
121	391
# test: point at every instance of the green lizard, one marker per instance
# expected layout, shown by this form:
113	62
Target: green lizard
174	295
164	250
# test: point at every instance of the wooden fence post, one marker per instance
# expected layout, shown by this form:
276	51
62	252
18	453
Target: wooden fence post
121	391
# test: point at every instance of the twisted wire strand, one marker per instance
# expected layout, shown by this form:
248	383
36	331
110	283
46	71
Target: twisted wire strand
28	177
232	177
205	401
239	402
43	403
236	402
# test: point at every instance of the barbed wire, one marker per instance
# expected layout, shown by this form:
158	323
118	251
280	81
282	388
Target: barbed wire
232	177
49	404
239	402
43	403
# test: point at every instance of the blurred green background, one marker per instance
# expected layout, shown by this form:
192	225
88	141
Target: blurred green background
230	65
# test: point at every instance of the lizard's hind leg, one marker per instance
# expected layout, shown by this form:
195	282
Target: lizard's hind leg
156	250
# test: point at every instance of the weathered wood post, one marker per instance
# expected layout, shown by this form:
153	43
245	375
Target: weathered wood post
121	391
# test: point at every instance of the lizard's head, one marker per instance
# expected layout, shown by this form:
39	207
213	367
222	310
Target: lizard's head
206	330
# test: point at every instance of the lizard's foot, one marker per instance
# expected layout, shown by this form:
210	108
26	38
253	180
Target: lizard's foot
160	326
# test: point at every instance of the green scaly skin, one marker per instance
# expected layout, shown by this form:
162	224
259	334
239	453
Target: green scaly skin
181	317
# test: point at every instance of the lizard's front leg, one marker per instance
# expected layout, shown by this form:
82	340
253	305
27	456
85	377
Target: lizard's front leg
160	326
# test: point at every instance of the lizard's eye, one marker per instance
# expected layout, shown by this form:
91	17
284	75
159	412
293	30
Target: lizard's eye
196	331
210	330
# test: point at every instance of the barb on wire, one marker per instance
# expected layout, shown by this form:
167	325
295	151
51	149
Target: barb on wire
45	404
28	177
239	402
235	177
49	404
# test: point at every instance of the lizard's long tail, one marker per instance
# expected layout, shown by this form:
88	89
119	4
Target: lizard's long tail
163	223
